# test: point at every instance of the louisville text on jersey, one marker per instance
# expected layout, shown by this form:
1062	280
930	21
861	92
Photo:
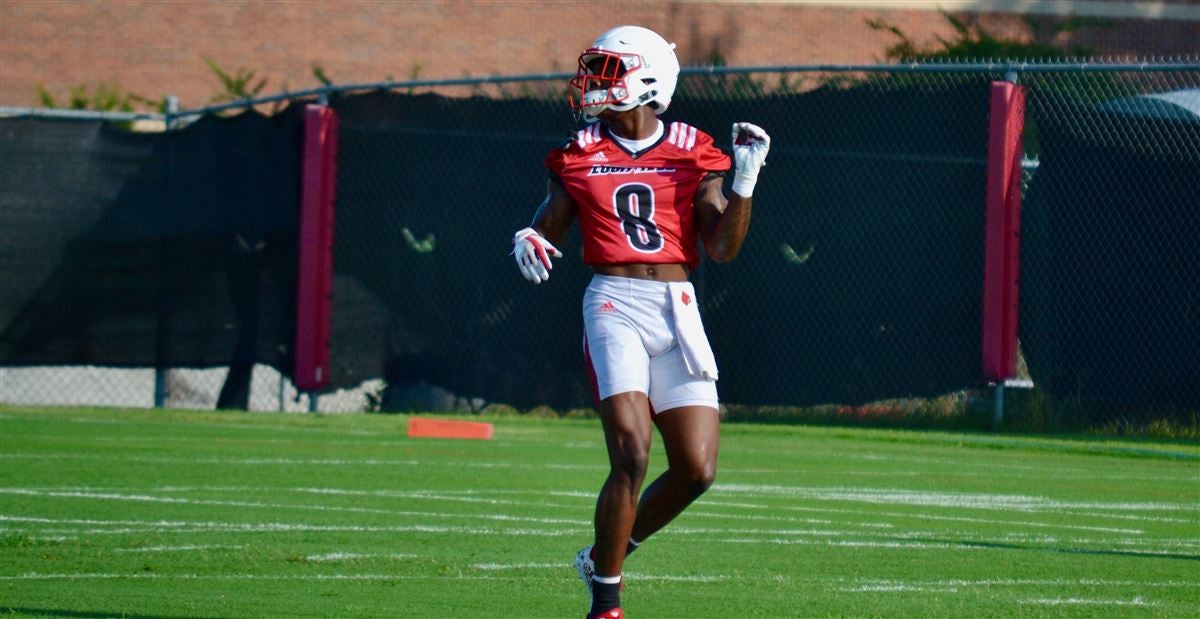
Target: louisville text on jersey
601	170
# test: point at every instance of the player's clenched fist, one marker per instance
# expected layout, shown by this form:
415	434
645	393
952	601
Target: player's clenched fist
750	146
533	253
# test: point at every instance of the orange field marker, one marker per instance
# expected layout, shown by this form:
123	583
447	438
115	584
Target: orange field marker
439	428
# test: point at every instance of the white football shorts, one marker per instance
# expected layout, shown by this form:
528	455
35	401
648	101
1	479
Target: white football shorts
631	342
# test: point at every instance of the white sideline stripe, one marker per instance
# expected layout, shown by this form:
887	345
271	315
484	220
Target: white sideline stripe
520	566
466	496
182	548
407	494
1130	517
350	556
958	466
1051	525
473	496
462	496
166	440
897	589
852	544
1137	601
885	543
1020	582
295	461
304	577
880	585
239	461
1155	547
640	576
301	577
240	527
324	508
945	499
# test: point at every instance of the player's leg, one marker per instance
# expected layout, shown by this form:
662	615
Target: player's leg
688	421
620	365
690	435
627	433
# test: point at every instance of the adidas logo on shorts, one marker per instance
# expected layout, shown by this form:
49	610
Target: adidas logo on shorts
607	308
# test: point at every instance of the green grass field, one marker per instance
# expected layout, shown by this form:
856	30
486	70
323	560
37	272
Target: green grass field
202	514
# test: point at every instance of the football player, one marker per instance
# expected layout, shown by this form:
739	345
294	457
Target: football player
642	192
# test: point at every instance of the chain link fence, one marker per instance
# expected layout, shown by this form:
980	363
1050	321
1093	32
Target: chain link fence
1110	312
858	291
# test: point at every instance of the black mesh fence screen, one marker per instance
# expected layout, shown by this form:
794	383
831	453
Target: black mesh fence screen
1110	310
860	280
163	250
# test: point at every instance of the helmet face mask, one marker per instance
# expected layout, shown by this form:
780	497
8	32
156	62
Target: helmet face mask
626	67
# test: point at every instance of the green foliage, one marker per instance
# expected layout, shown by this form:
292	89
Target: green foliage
237	85
103	98
971	41
321	76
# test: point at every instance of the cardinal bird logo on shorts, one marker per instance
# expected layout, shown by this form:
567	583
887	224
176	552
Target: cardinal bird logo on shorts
683	296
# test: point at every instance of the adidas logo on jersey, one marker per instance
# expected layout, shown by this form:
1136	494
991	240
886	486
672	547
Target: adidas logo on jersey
600	156
607	308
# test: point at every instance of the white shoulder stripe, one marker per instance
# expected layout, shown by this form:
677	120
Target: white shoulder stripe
590	135
682	135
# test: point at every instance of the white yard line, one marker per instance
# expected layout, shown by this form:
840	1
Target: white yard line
1137	601
522	566
217	461
268	577
351	556
182	548
268	527
901	496
325	508
926	516
475	496
894	545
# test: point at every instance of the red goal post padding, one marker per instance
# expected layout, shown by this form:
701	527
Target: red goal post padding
1002	232
314	288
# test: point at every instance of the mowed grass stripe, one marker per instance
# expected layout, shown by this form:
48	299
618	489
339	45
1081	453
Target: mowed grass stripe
144	512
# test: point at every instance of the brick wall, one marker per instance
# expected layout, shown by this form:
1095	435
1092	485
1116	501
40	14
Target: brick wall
157	48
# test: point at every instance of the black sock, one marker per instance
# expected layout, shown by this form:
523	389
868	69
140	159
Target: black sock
605	596
631	546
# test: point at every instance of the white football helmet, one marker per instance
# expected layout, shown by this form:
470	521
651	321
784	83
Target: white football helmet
626	67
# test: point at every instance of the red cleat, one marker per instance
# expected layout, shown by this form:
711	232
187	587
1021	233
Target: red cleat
612	613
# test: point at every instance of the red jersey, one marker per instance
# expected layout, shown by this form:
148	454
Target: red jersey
637	207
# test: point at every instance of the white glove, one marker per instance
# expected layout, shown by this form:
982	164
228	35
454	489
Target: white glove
533	253
750	146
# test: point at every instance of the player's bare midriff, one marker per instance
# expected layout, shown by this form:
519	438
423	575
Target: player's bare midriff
654	272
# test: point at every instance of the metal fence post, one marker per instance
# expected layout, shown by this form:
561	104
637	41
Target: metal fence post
161	391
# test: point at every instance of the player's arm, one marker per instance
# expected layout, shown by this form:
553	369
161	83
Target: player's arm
534	246
556	213
724	222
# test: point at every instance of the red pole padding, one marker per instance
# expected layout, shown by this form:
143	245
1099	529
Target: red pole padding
1002	233
314	288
